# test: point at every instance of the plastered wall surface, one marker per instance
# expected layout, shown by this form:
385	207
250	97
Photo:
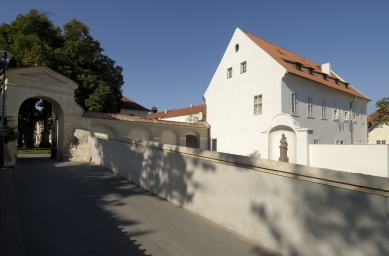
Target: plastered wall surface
293	209
366	159
380	133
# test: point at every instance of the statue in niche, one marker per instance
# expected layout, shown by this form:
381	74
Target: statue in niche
283	150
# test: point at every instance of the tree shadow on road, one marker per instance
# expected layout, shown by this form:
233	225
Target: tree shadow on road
65	210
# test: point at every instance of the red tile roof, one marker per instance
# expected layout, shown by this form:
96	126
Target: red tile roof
288	60
130	104
180	112
124	118
372	121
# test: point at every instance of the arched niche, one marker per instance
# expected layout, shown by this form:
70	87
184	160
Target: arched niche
275	135
139	133
192	139
103	129
170	137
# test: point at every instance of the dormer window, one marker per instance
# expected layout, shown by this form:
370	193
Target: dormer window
324	76
298	66
336	81
310	71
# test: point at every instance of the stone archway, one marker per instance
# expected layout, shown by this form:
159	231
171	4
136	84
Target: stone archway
43	83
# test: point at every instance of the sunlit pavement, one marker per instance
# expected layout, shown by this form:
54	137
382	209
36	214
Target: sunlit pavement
64	208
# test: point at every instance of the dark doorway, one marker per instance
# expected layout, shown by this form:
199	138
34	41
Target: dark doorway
191	141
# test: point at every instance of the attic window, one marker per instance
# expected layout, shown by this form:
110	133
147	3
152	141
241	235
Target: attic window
346	85
336	81
236	47
298	66
229	73
310	71
324	76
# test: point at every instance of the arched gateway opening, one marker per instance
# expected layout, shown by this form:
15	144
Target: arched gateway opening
38	124
43	83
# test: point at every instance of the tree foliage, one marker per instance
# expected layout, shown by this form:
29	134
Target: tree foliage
382	116
35	40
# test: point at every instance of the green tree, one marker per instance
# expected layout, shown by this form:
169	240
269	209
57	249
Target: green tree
35	40
382	116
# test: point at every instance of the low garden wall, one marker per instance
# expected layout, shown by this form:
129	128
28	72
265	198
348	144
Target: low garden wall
292	209
366	159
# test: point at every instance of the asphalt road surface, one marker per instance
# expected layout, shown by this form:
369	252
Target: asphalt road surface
64	208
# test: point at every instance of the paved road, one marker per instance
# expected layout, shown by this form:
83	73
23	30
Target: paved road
64	208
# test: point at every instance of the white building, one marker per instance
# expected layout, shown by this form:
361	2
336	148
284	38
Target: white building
261	91
189	114
378	134
131	108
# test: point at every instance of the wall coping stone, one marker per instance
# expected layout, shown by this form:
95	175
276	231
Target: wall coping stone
352	181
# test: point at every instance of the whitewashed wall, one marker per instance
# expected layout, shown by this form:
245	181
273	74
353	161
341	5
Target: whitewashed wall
177	118
230	102
366	159
230	105
379	133
326	130
292	209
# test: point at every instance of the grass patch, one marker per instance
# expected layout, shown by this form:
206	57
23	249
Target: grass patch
33	150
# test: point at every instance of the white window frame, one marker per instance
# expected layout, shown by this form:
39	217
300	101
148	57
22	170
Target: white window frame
258	104
339	142
316	141
336	114
294	106
323	109
381	142
243	67
310	106
229	73
346	115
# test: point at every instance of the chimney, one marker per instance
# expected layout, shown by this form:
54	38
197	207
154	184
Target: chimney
191	105
165	111
326	68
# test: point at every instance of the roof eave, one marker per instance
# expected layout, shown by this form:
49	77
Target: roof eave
326	86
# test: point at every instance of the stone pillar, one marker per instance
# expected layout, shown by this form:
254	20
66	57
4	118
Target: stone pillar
283	150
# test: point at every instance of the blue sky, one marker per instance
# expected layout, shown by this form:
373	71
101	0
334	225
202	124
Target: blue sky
170	49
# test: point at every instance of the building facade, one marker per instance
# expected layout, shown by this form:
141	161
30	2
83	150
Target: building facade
131	108
191	114
261	91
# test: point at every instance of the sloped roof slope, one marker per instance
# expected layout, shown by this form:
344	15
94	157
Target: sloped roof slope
130	104
180	112
125	118
289	60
